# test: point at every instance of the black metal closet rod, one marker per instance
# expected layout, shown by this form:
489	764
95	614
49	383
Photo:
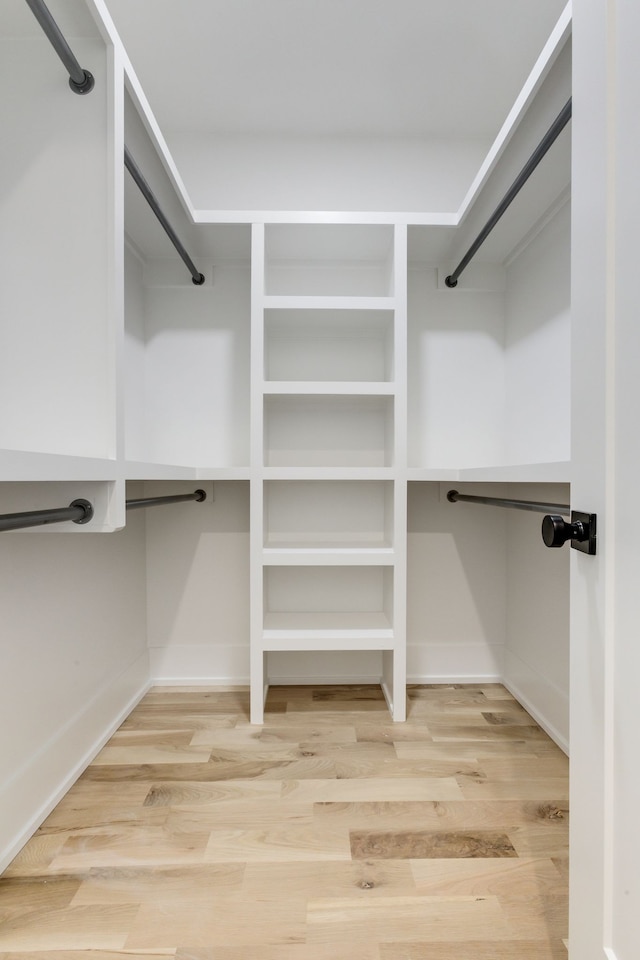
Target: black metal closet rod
79	511
198	495
535	507
80	81
149	196
549	138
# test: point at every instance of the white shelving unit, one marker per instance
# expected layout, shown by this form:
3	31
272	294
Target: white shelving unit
328	414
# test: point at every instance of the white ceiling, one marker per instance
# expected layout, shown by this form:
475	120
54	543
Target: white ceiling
416	68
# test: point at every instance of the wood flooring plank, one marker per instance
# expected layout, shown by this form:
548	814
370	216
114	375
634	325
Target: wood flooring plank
212	771
234	814
444	731
143	722
541	841
554	788
336	707
352	693
285	951
514	768
184	793
383	732
96	817
111	885
24	895
519	878
75	928
541	918
128	847
507	815
35	858
90	954
438	844
476	950
456	751
120	754
220	922
277	843
371	788
250	737
406	918
319	880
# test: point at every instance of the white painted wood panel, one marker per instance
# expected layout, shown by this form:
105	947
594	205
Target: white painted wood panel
74	649
57	363
537	345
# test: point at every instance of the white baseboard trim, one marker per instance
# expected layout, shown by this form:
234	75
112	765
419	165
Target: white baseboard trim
448	681
219	664
323	679
31	794
540	719
465	661
547	703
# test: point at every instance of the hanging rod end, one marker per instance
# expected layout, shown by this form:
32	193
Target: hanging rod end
452	496
200	495
85	86
87	506
450	282
199	280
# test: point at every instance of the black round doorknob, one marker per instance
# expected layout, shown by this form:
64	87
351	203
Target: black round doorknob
556	530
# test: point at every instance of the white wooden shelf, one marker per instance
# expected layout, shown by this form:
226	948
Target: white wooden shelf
282	302
142	470
553	472
24	465
328	473
335	388
433	474
327	630
223	473
329	555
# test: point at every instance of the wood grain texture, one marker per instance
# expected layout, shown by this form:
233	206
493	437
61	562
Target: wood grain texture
328	833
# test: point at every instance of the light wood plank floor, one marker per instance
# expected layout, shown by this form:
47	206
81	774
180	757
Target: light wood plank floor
329	833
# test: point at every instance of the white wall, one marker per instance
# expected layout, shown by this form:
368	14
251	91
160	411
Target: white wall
74	661
313	173
456	595
198	584
456	389
136	446
187	364
57	363
538	346
536	663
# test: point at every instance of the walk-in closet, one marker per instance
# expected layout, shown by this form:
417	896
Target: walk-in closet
314	446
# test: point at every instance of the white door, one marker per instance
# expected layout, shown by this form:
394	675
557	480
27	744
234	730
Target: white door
605	590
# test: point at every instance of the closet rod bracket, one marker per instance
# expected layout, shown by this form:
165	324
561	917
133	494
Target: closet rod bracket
83	86
580	531
86	506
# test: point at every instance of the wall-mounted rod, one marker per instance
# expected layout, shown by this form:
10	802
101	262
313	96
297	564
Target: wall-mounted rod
149	196
80	81
198	495
549	138
79	511
535	507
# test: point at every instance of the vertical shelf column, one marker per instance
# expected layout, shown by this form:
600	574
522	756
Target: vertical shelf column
258	658
394	662
328	450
